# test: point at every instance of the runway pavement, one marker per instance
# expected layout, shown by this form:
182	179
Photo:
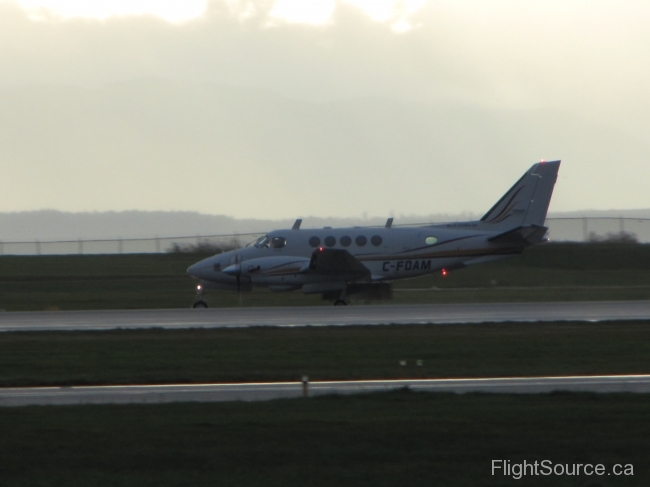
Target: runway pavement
592	311
267	391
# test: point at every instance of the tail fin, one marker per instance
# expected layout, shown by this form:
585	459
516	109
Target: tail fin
526	203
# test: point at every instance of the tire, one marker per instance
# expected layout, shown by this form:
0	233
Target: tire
200	304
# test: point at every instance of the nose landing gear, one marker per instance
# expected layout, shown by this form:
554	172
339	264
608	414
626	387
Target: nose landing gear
199	294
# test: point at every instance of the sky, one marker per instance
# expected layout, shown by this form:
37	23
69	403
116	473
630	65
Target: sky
332	108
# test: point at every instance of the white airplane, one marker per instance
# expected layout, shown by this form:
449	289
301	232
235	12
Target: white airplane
339	262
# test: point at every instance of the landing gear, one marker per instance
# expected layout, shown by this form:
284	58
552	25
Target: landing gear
199	294
342	299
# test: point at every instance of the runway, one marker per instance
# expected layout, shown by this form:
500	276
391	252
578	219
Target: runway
591	311
267	391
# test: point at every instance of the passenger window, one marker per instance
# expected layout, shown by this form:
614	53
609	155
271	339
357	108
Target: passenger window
376	240
345	241
314	241
330	241
430	240
361	240
278	242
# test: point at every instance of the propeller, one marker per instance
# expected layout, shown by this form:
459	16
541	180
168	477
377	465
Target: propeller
234	270
238	263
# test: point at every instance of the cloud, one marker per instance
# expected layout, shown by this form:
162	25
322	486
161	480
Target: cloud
155	144
235	111
49	10
502	53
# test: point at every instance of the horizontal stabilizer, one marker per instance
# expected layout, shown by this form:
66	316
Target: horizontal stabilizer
526	235
336	262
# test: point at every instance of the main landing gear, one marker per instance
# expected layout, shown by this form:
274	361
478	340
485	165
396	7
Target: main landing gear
199	294
342	299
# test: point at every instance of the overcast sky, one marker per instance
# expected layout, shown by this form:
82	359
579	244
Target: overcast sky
277	109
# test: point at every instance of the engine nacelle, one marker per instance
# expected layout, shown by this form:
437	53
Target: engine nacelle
274	266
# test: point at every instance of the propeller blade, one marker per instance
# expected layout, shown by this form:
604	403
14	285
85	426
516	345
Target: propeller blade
238	263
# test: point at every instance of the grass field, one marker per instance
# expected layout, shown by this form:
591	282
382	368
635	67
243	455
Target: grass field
544	273
360	352
399	438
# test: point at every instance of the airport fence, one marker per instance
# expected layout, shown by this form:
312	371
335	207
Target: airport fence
196	243
568	229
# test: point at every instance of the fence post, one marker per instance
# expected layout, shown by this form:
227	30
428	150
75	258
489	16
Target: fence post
38	248
584	229
80	246
2	248
157	245
119	246
621	224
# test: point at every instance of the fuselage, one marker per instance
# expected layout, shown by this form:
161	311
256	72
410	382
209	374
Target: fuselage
279	259
327	260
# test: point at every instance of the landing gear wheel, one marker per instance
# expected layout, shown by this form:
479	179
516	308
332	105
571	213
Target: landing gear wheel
340	302
199	295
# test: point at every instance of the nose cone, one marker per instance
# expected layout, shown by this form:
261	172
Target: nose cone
201	270
191	270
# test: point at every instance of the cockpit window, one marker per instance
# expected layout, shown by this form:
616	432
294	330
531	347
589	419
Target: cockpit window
430	240
278	242
262	242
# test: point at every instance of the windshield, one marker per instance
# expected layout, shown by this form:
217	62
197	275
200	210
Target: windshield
262	242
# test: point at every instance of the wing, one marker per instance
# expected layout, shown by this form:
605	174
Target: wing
336	262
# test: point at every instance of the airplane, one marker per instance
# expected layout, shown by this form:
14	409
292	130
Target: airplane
340	262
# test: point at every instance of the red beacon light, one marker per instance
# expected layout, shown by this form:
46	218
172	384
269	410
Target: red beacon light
444	272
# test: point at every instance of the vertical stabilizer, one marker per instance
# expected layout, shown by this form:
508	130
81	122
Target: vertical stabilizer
526	203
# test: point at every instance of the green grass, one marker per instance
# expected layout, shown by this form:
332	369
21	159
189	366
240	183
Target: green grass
360	352
399	438
566	272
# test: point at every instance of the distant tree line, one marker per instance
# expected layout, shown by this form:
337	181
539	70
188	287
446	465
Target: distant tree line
614	238
201	248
